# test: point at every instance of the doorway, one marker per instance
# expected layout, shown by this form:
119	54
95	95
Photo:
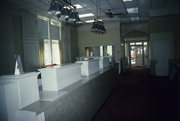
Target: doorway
138	55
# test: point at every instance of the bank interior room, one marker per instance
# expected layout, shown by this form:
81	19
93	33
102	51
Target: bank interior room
89	60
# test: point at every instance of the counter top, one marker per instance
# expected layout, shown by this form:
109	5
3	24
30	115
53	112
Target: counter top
59	67
48	98
87	60
14	78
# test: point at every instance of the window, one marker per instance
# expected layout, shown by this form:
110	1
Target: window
47	52
55	52
145	43
55	23
109	50
101	50
138	43
49	31
106	50
42	18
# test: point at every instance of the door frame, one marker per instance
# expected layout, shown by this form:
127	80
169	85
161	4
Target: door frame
143	57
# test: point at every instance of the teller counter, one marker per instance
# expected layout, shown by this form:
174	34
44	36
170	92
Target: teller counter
76	102
89	67
56	78
17	92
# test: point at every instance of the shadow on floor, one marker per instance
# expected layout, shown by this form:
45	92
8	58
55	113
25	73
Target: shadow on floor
141	97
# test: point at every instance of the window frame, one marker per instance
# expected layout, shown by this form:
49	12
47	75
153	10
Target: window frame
51	22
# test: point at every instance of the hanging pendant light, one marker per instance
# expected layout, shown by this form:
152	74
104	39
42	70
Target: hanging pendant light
78	20
94	27
72	16
55	8
98	25
64	11
103	29
64	14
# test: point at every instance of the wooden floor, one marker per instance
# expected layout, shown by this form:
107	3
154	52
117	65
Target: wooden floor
141	97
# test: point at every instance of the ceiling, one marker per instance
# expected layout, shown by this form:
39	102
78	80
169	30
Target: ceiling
146	8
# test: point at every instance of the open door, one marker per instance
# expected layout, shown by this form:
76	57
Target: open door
138	54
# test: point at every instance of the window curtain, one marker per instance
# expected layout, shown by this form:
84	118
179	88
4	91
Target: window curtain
43	34
55	33
65	44
41	52
43	28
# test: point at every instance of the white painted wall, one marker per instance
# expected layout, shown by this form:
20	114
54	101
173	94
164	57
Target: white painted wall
164	42
161	47
130	27
86	38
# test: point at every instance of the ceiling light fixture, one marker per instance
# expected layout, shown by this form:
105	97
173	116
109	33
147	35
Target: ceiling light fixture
86	15
98	25
74	17
127	0
78	6
64	14
55	8
134	18
89	21
64	11
132	10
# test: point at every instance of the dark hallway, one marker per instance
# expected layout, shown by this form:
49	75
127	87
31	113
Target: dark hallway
141	97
